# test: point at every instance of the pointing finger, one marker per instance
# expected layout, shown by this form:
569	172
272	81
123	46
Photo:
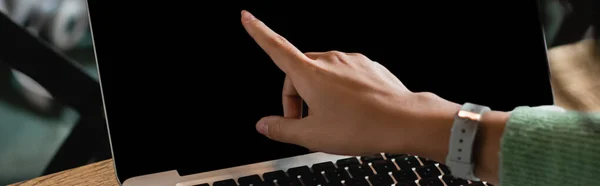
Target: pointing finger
282	52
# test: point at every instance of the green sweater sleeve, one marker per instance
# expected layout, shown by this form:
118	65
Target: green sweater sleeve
542	147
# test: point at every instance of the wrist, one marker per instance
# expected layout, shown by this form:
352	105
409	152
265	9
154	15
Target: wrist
487	145
430	135
433	130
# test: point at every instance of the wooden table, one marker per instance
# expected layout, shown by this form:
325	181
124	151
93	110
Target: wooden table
575	72
101	173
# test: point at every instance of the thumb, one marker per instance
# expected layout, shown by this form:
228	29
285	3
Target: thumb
281	129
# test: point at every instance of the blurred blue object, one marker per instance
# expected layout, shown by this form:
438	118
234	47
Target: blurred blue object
62	23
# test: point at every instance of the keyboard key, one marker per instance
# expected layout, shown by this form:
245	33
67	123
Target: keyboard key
303	181
407	162
253	180
391	156
410	183
404	176
300	176
323	166
381	179
278	177
445	169
356	182
326	173
383	166
229	182
452	181
434	181
344	173
303	170
367	159
427	161
327	176
346	162
428	171
360	171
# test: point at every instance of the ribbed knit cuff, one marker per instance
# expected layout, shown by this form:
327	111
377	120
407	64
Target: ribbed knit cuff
544	147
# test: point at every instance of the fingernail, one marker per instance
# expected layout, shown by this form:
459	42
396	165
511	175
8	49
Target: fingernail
247	16
262	127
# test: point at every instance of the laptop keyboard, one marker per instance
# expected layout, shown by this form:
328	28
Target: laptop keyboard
376	170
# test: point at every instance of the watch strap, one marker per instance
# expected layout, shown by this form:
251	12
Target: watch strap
462	140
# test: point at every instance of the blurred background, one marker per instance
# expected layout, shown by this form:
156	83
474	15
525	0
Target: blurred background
33	125
58	124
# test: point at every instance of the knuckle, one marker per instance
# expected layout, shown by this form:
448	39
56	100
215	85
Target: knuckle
335	53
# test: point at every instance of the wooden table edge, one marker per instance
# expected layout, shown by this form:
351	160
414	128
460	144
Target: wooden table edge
99	173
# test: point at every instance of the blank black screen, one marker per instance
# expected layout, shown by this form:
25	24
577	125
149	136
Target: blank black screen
184	85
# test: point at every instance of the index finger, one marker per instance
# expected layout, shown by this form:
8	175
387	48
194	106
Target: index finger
281	51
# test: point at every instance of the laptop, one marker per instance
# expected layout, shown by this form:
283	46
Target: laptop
184	85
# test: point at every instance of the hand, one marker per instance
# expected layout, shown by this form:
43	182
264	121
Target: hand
356	105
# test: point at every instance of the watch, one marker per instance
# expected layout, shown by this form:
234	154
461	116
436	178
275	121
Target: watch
462	138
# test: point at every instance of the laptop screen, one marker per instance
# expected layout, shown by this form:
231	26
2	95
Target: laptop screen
184	84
